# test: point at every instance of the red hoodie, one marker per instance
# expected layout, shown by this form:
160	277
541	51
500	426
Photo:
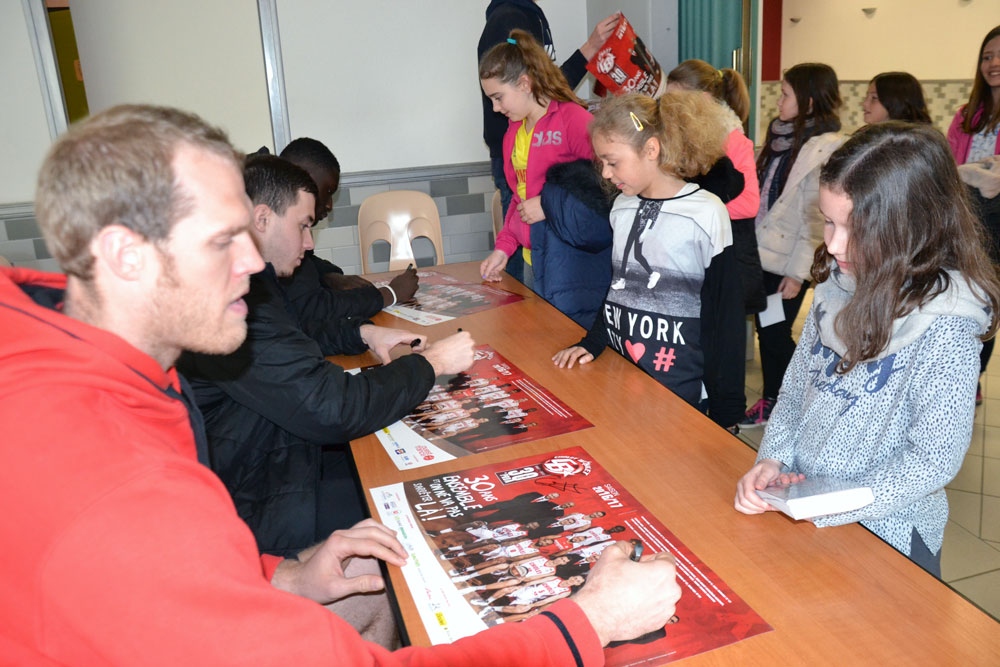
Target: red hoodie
120	548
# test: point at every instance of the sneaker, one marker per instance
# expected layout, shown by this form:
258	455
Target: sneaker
758	414
654	278
618	284
979	393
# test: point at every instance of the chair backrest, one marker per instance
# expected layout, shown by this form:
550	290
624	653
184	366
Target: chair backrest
497	214
4	261
397	217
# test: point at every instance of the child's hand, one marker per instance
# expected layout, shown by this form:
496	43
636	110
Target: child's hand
531	211
571	355
759	477
492	266
789	287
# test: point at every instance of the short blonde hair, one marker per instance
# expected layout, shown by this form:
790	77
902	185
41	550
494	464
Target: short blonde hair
117	168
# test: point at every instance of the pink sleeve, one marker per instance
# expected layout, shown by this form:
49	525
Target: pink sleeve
957	139
507	241
739	149
578	140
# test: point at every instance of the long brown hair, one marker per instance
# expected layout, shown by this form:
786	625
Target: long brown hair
981	96
724	84
817	94
522	55
902	96
911	222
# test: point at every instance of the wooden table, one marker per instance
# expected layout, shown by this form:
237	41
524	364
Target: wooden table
833	595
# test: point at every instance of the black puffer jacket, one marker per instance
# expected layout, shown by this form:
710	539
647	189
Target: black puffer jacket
571	248
725	182
270	406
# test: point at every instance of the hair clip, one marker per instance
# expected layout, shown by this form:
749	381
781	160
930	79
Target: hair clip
635	121
511	40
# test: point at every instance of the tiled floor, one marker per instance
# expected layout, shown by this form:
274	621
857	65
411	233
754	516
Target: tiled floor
970	560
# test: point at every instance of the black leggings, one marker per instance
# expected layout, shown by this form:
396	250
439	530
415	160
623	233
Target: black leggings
776	343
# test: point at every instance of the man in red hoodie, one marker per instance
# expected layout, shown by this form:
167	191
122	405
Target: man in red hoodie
120	548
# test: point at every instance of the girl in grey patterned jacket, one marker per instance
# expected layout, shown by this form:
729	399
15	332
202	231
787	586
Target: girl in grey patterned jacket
880	390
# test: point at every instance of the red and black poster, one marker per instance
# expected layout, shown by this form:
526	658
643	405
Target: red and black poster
493	404
623	64
441	298
496	544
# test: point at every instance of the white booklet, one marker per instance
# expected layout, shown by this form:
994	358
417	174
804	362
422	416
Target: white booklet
817	496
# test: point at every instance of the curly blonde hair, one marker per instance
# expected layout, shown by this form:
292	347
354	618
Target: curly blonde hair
689	126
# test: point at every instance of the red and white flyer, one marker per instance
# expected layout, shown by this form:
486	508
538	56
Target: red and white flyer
623	64
441	298
493	404
496	544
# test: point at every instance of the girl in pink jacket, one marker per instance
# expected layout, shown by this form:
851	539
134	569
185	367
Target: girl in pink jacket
548	125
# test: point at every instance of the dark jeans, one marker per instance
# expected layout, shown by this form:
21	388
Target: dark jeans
515	265
776	344
985	354
340	498
922	556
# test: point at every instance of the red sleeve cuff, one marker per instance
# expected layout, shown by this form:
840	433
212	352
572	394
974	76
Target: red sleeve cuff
268	564
576	632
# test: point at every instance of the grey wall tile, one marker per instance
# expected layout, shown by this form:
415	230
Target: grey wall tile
474	203
41	250
456	224
476	242
336	236
481	222
450	186
419	186
24	228
481	184
347	256
324	253
18	252
343	217
362	192
468	256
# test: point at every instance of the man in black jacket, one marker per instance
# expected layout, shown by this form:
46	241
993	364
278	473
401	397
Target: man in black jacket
320	287
272	406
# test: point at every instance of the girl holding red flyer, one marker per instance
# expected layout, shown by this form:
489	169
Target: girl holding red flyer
548	125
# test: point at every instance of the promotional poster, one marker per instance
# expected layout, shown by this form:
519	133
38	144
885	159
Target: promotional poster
493	404
497	544
623	64
441	298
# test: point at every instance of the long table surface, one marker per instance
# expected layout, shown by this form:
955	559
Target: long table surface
833	595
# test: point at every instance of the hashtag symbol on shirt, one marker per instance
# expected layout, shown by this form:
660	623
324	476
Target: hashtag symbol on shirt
663	359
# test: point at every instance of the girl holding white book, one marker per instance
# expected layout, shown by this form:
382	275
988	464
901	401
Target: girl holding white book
881	388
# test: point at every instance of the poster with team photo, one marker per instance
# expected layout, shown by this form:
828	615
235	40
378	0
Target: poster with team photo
493	404
498	543
441	298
